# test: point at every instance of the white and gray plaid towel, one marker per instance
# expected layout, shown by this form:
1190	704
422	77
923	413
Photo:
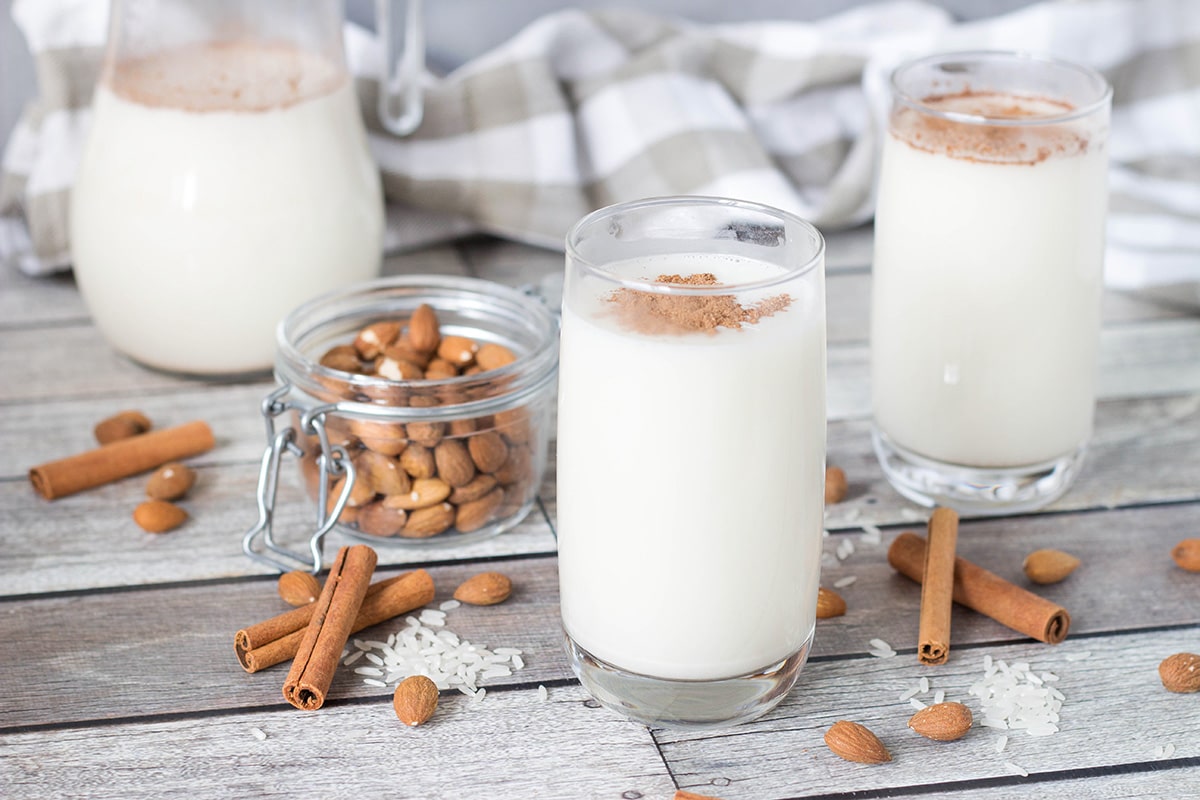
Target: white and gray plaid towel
584	109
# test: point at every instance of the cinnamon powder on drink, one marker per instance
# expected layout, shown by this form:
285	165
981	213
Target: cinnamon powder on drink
653	313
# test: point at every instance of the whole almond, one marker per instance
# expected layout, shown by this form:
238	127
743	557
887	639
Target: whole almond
382	472
1187	554
829	604
454	464
494	356
361	493
425	492
836	486
484	589
489	451
944	722
380	519
855	742
474	514
121	425
417	461
1049	566
159	516
683	794
430	521
427	434
440	369
399	369
1180	673
298	588
170	481
343	358
423	331
382	437
375	338
479	486
415	700
458	350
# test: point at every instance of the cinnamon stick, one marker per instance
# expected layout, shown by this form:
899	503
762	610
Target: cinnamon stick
988	593
276	640
321	647
120	459
937	588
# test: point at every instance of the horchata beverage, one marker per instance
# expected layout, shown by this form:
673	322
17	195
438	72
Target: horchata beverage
221	186
691	431
988	272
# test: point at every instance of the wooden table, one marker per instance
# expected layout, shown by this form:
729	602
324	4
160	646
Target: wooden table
116	654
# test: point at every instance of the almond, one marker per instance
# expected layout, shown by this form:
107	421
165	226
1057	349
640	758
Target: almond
474	514
1049	566
484	589
1187	554
380	519
417	461
423	332
489	451
375	338
361	493
494	356
835	485
683	794
170	481
1180	673
513	424
425	492
343	358
159	516
440	369
854	742
477	488
427	434
829	604
382	437
382	472
399	369
415	700
121	425
454	464
516	469
458	350
430	521
944	722
299	588
461	428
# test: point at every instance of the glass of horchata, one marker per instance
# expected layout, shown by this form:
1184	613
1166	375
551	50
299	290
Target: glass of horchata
987	276
691	445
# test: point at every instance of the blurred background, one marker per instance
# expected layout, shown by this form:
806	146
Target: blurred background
459	30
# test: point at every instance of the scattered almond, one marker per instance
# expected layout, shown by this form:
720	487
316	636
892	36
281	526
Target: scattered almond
484	589
298	588
121	425
829	604
170	481
415	700
836	486
682	794
855	742
1187	554
159	516
1180	673
944	722
1049	566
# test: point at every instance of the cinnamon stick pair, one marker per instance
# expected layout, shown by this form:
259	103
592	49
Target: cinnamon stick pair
985	592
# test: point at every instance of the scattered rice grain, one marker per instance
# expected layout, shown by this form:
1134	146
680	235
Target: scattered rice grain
449	605
543	693
261	735
924	685
374	682
915	703
1016	769
355	656
1001	742
910	694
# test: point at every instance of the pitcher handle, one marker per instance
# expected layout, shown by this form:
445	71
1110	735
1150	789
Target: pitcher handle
401	101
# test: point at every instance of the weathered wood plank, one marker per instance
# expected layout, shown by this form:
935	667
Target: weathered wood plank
509	745
1111	717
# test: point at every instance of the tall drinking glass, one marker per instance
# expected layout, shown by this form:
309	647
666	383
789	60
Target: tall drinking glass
989	244
691	447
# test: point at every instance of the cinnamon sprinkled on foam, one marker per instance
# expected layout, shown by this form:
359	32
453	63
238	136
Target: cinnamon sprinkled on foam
651	313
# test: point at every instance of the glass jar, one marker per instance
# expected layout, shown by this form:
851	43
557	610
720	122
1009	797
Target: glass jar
397	452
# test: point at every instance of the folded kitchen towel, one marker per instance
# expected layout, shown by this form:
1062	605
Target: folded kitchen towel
581	109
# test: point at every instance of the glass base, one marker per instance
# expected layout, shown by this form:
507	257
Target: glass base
687	704
974	490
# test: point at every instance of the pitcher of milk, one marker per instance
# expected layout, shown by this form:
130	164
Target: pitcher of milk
226	177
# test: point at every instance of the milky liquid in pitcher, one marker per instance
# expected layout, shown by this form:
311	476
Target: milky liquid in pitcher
209	204
987	278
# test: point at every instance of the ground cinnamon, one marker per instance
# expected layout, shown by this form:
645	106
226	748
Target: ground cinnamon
276	640
653	313
937	588
988	593
333	617
120	459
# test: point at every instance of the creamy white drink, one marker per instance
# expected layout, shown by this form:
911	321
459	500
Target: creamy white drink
690	469
987	279
221	186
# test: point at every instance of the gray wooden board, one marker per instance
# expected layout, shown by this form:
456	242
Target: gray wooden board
1109	718
508	745
121	652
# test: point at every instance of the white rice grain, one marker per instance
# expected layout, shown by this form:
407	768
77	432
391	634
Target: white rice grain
924	685
916	704
355	656
1016	769
842	583
374	682
939	697
258	733
910	694
1001	742
543	693
449	605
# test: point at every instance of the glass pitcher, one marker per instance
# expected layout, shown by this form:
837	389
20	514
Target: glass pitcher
226	177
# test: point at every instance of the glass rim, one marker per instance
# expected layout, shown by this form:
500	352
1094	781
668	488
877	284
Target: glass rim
600	271
1104	87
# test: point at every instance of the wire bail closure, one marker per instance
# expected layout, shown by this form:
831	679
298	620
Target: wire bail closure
333	462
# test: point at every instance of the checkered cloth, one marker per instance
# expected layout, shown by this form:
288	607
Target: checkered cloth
580	110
